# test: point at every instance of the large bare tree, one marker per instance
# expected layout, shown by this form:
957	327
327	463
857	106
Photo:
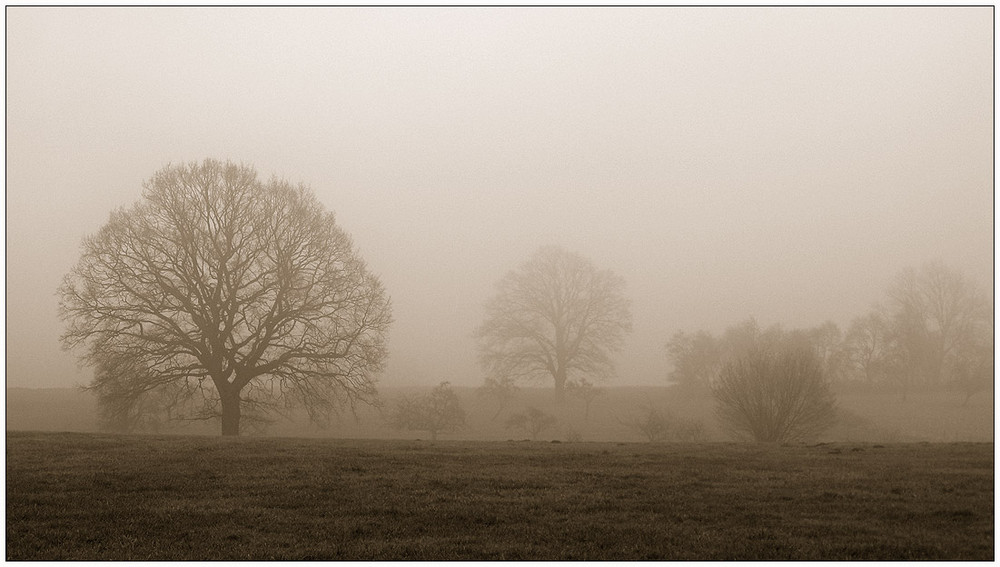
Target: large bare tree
235	294
556	316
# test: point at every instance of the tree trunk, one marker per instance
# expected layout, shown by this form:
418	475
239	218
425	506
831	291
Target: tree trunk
560	377
230	411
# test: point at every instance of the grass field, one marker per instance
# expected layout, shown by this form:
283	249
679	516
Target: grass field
94	497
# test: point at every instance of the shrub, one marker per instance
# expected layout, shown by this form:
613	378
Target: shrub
774	395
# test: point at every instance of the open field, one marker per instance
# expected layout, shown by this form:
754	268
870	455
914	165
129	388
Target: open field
94	496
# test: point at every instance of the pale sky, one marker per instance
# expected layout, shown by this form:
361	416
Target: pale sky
782	163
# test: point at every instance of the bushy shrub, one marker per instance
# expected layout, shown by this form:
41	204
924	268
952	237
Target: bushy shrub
774	394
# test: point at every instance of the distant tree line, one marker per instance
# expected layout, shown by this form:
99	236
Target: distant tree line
934	328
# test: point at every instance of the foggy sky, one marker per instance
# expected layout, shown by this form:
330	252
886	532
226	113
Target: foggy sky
782	163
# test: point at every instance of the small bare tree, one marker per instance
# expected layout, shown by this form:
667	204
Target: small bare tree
438	412
532	421
774	395
555	317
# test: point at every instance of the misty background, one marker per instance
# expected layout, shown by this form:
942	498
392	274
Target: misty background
780	163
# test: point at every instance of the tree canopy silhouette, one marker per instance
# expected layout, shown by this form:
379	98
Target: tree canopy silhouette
234	294
556	316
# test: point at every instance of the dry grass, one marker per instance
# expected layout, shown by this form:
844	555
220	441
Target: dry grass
94	497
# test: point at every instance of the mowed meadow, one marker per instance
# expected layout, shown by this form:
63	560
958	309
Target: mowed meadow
91	496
